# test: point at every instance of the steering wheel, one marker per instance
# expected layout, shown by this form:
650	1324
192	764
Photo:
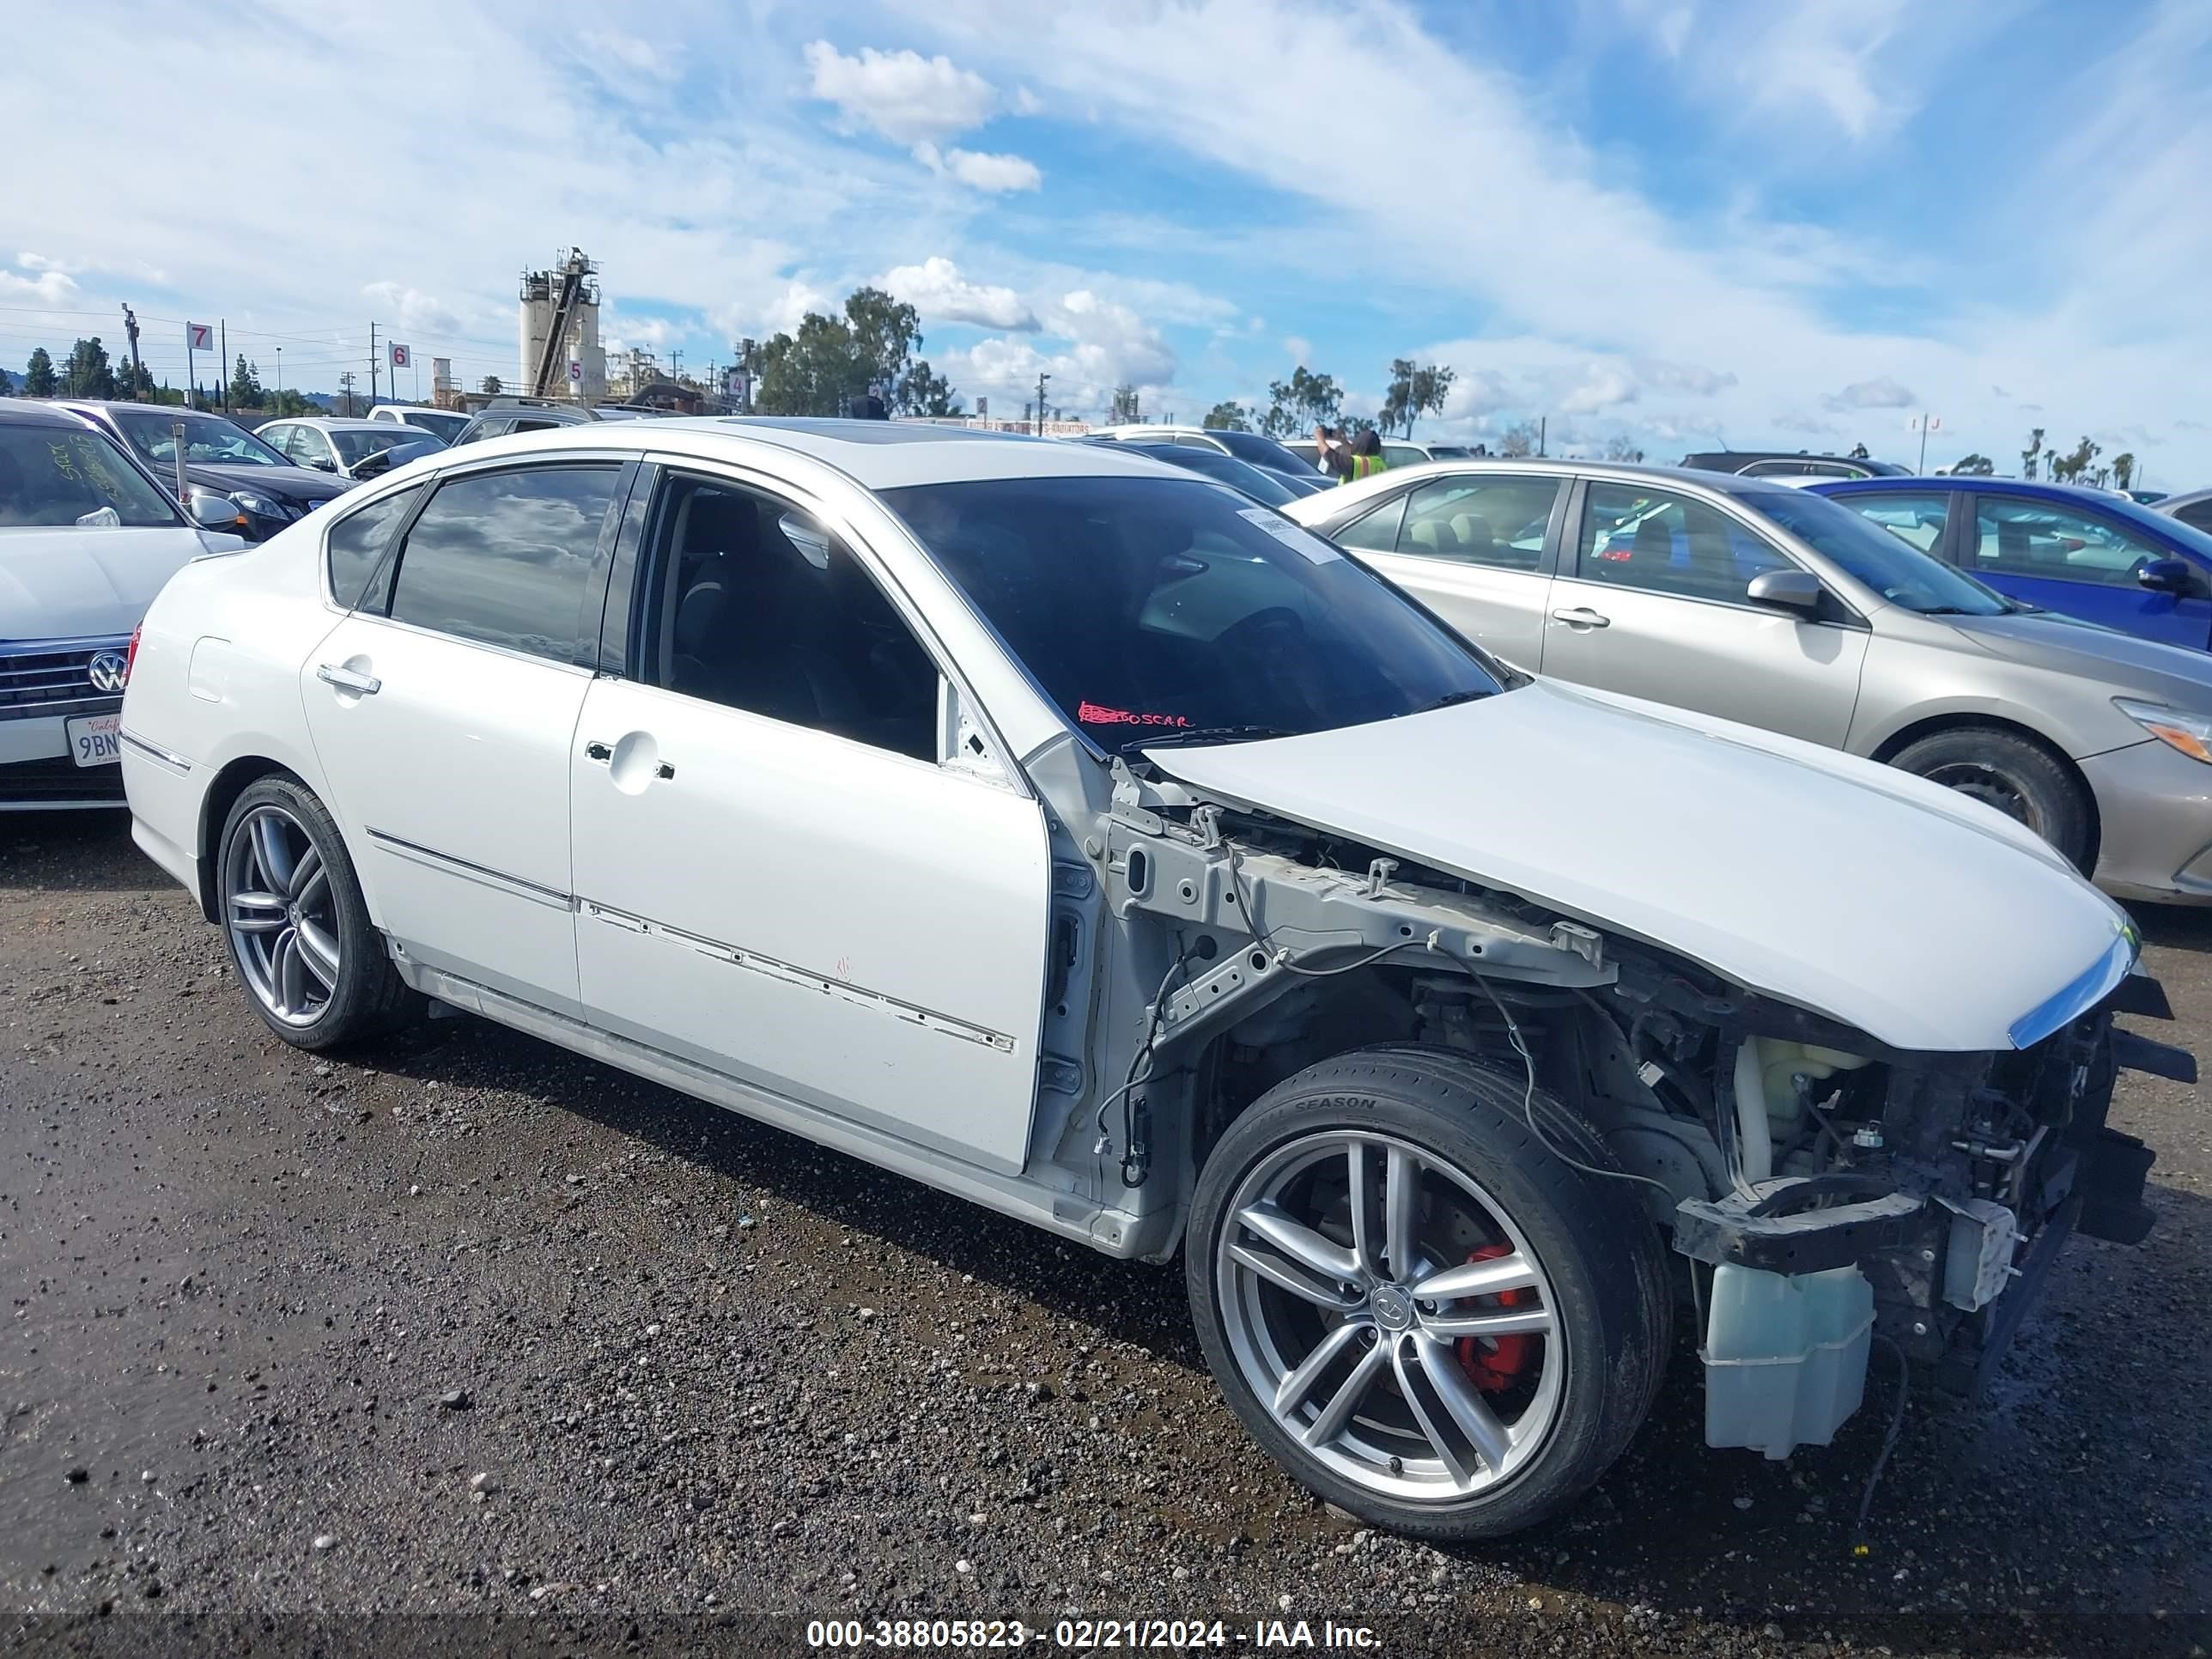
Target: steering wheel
1269	632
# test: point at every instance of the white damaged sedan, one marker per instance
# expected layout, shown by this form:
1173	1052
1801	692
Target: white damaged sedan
1072	835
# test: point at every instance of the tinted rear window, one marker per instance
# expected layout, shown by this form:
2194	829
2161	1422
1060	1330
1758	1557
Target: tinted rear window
357	542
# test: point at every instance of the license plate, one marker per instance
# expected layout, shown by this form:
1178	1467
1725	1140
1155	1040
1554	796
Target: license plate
95	740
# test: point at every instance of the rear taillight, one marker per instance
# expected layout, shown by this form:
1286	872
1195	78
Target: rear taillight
131	656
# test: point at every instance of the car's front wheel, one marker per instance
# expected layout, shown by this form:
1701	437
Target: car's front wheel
297	924
1420	1309
2019	777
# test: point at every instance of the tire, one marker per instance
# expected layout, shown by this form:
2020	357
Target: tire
1586	1294
2015	775
312	963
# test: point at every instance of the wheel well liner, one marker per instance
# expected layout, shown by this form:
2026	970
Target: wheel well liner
232	781
1904	736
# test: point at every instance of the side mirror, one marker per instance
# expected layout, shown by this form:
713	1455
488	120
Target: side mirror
213	512
1797	591
323	463
2166	575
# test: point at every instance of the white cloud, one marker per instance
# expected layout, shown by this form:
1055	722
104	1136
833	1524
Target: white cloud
936	289
1602	385
1692	378
408	310
49	288
40	261
1108	345
908	98
1883	393
628	51
992	173
1298	347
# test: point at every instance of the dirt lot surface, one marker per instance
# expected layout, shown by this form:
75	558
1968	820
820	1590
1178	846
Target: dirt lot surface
465	1344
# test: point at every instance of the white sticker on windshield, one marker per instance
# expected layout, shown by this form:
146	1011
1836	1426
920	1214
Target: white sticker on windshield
1290	535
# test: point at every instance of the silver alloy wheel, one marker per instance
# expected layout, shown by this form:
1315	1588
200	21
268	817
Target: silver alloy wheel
282	915
1351	1271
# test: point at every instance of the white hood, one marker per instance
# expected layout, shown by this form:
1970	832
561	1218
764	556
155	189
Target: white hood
1928	921
82	583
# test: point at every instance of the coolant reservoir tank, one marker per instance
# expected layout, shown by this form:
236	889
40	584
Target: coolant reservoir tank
1785	1356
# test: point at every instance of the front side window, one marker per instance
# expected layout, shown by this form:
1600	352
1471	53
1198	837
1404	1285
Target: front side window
1497	521
1915	517
1655	539
1148	607
70	475
355	546
752	607
504	558
209	441
2018	537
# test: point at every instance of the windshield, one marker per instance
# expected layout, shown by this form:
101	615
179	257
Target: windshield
1899	572
208	439
1146	607
360	443
1258	483
1450	453
54	475
1260	452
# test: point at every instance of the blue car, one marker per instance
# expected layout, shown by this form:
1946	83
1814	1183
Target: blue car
2088	553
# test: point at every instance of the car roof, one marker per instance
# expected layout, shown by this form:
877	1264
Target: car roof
875	455
331	422
2038	489
38	411
2166	504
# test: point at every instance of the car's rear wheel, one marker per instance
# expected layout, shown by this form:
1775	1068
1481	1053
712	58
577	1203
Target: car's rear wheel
299	932
1420	1309
2019	777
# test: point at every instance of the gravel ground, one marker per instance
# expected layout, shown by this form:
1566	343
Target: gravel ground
511	1351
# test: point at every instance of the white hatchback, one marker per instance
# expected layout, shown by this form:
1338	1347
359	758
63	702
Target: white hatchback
1077	837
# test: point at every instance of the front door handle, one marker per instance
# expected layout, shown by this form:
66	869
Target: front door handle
1582	616
346	679
597	750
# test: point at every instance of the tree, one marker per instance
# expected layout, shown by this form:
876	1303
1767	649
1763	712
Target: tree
245	384
1973	466
7	384
2069	469
2123	470
1520	440
2029	456
1619	448
1300	404
39	378
830	360
133	382
1227	417
1414	391
88	371
491	386
925	391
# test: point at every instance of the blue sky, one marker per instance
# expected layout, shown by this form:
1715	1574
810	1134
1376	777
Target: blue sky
1679	222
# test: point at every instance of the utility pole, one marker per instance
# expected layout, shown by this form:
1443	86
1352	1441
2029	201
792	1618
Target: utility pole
222	327
372	365
280	379
345	384
1543	424
1042	378
130	328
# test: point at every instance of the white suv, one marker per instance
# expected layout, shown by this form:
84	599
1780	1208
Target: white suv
1091	842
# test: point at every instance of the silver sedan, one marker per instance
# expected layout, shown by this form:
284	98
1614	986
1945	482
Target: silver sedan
1760	604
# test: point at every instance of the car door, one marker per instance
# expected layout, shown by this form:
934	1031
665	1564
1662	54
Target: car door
776	878
442	708
2069	557
1651	600
1471	547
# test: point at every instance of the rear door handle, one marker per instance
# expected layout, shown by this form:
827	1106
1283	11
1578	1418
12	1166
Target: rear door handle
1582	616
365	685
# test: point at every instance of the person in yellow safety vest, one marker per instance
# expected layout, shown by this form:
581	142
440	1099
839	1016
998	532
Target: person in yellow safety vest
1366	457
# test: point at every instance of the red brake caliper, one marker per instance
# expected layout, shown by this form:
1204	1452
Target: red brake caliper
1494	1370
